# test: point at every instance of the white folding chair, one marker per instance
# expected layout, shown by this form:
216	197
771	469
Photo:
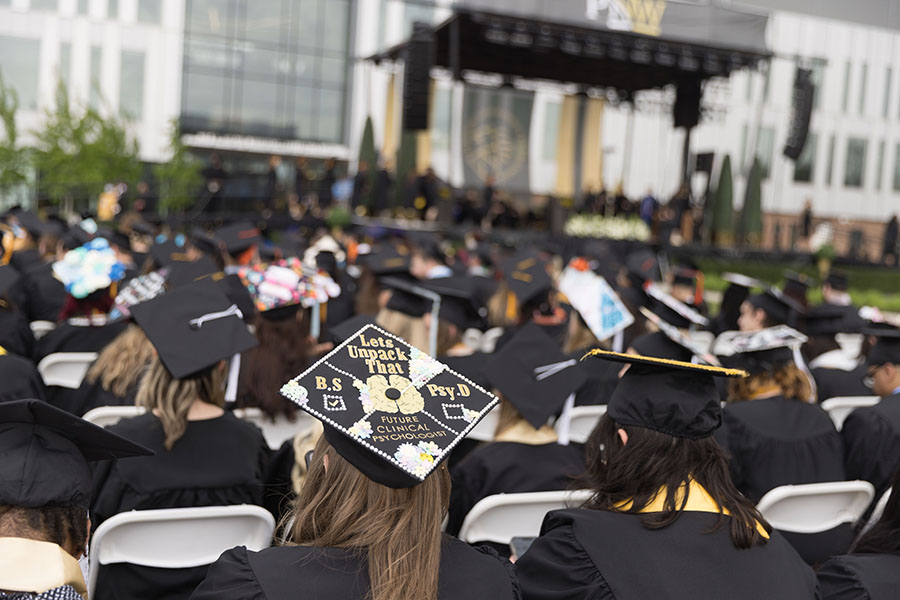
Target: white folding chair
501	517
582	420
41	328
104	416
840	407
877	511
66	369
278	431
177	538
484	429
816	507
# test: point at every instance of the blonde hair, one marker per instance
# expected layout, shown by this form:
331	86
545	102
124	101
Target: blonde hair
509	416
793	383
172	398
398	529
303	443
122	362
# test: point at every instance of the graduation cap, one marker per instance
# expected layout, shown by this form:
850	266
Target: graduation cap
759	351
678	345
32	223
459	304
533	374
684	276
345	330
75	236
46	453
526	275
831	319
386	260
658	345
89	268
776	305
406	296
115	237
389	409
676	311
137	290
673	397
744	281
796	284
237	237
183	273
193	327
9	276
838	281
887	344
642	266
202	240
168	252
286	284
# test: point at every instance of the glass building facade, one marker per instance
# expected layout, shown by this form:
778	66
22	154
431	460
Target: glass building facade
267	68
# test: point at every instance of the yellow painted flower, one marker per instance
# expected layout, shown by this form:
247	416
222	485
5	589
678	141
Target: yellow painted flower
393	395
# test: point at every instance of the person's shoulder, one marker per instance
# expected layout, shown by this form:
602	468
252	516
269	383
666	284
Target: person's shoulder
139	428
480	565
859	576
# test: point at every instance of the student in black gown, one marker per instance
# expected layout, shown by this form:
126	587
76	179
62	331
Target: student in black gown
205	455
775	436
665	521
367	523
871	571
872	434
526	455
20	378
835	372
15	331
767	309
45	490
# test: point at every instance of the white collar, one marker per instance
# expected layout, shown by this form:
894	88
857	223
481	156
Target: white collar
833	359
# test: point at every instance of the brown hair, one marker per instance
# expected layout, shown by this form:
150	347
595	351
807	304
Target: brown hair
509	416
579	336
172	398
366	302
399	529
651	461
122	362
282	353
792	381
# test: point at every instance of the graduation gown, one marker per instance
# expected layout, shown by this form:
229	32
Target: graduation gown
45	295
601	555
776	441
289	572
21	380
510	467
872	443
77	338
831	383
216	462
15	332
860	577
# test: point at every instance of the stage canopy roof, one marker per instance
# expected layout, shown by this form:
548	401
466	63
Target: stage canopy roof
629	45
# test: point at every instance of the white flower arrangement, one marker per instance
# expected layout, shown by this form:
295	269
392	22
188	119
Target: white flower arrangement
417	459
614	228
295	392
361	429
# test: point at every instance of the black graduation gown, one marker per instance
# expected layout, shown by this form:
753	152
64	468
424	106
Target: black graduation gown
216	462
77	338
15	333
290	572
776	441
20	379
45	295
91	395
872	443
860	577
510	467
600	555
831	383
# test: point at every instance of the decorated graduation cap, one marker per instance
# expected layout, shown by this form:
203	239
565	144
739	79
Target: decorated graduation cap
759	351
193	327
533	374
675	311
89	268
831	319
669	396
599	306
389	409
526	275
46	452
137	290
286	284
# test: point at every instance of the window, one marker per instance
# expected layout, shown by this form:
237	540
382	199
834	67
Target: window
846	99
879	168
65	63
818	79
886	104
551	130
112	10
416	12
804	168
765	147
862	89
897	168
131	87
150	11
82	7
829	171
855	164
51	5
96	76
749	88
20	68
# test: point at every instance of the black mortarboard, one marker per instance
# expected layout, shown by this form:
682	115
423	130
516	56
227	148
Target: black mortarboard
684	276
777	307
74	237
167	253
887	345
345	330
404	297
9	276
459	305
743	281
533	374
796	284
831	319
385	260
658	345
392	411
237	237
32	223
676	398
115	237
671	309
46	452
526	275
642	266
202	240
677	345
759	351
193	327
838	280
183	273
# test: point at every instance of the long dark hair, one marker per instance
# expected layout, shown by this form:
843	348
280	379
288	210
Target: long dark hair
884	536
282	353
618	473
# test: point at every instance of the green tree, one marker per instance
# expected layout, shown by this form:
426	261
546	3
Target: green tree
369	155
79	151
406	164
13	160
751	214
180	178
723	208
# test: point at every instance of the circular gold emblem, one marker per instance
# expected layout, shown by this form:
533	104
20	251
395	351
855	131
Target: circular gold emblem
494	144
